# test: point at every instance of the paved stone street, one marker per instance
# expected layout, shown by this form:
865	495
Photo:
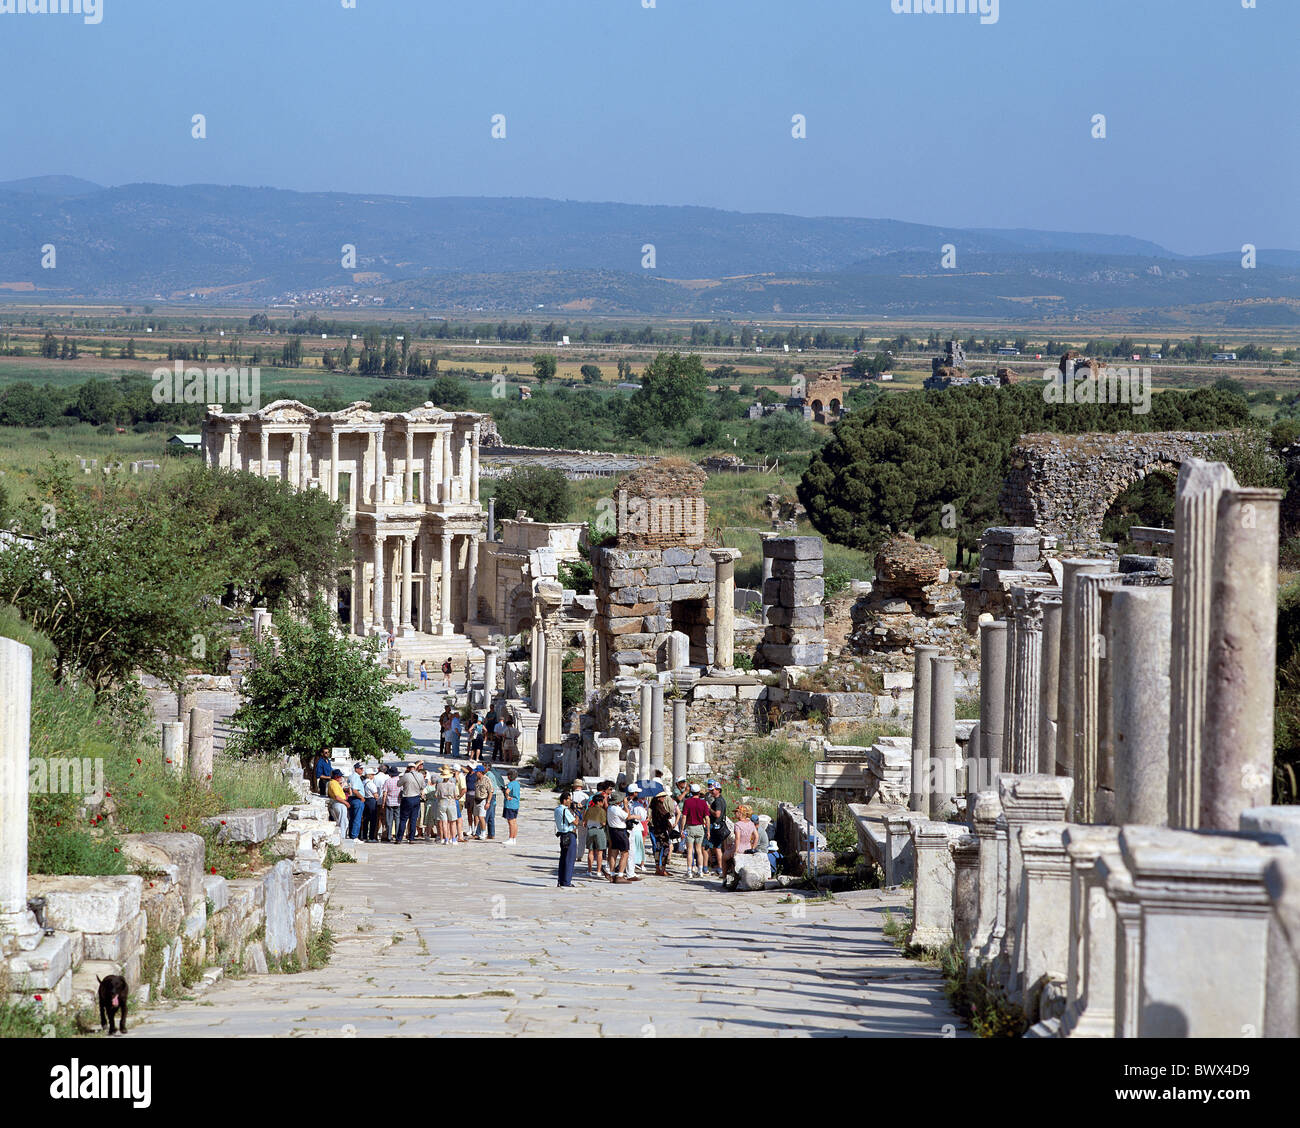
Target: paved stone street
478	939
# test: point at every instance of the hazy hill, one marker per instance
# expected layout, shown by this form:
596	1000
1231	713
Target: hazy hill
143	241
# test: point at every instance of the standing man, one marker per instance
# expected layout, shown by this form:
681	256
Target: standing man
444	725
411	787
446	674
321	771
695	812
356	800
483	792
663	826
597	835
718	829
392	793
565	831
499	731
453	733
510	805
619	843
580	798
370	810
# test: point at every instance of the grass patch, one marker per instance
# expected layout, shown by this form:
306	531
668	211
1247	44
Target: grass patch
776	770
320	947
984	1005
863	736
335	855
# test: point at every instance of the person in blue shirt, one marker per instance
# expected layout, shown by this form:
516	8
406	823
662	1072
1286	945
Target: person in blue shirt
322	770
510	805
454	731
356	786
565	831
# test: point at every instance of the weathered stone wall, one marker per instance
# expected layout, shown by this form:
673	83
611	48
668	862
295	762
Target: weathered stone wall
1064	484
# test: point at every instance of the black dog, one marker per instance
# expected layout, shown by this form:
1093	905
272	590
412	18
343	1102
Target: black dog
112	998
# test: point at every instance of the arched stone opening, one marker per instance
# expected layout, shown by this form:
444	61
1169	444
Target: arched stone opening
1148	500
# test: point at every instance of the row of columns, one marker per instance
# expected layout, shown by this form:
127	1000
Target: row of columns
374	611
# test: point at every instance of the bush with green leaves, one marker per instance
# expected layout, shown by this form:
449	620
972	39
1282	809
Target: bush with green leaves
541	490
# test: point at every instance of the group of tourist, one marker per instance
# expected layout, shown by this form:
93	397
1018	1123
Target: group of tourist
488	734
616	832
449	806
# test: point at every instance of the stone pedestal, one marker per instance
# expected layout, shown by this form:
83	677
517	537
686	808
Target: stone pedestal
679	737
1195	509
18	927
900	858
986	810
173	746
1237	766
526	721
609	751
1026	800
1280	825
1090	983
1089	650
943	739
696	753
1113	875
918	800
993	676
1046	907
932	889
965	851
199	763
489	673
724	610
1071	569
1139	660
1049	683
1206	923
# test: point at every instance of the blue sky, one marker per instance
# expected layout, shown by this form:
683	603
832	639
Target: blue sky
929	118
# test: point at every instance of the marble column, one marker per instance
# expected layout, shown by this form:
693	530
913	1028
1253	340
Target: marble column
377	607
300	449
1237	764
15	775
334	466
445	627
236	460
408	469
394	591
1090	983
943	739
263	453
919	800
679	737
1026	800
1049	685
1139	661
1022	712
993	684
1008	694
1089	649
1195	508
408	627
489	673
553	711
463	470
471	578
1071	568
724	610
446	467
1103	806
492	519
647	729
767	570
359	620
200	757
173	747
657	740
474	463
537	662
379	465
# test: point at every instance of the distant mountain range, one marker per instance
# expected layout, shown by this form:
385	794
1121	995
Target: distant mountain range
462	256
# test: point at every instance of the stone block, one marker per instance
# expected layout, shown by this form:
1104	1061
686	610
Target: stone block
44	966
195	921
656	624
277	884
705	691
661	575
897	679
703	559
807	654
255	959
117	945
623	626
88	904
750	692
217	890
625	577
690	591
1010	534
802	593
245	825
629	658
813	617
246	895
316	871
796	569
793	548
752	871
164	906
675	557
159	849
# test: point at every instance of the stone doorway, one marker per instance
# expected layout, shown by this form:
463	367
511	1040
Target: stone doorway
691	617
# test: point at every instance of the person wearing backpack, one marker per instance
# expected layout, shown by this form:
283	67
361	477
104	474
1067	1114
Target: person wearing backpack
446	673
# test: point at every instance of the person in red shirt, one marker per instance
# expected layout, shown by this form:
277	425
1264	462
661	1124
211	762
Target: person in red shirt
696	813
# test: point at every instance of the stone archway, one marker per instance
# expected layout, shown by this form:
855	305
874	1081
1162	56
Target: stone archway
1065	484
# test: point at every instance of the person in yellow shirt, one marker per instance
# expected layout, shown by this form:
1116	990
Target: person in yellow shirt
338	800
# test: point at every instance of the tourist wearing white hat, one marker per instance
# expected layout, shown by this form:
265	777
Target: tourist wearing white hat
696	813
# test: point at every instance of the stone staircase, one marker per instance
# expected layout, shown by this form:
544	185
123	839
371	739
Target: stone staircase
433	649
